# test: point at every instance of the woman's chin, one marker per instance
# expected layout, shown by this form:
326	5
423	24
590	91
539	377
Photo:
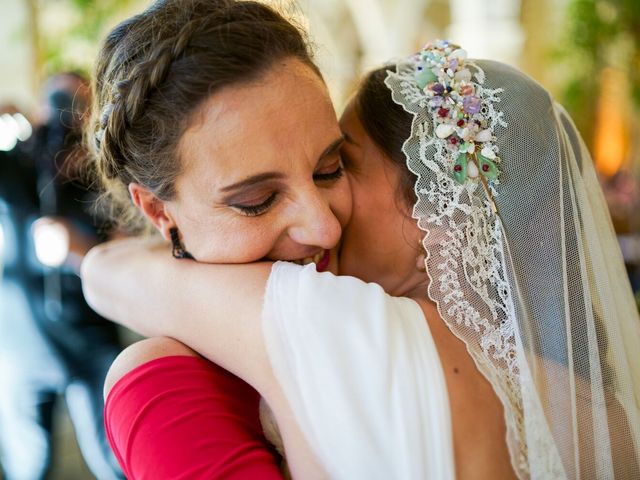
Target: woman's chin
356	266
348	266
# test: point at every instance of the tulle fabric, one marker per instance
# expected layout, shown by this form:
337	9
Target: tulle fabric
361	373
531	278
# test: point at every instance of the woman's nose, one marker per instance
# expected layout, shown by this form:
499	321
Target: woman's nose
315	223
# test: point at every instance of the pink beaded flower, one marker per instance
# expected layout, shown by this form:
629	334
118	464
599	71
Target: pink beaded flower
458	110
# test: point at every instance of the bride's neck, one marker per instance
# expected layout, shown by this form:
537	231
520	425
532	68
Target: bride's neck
414	285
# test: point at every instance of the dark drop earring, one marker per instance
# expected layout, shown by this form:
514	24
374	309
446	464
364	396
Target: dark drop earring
177	249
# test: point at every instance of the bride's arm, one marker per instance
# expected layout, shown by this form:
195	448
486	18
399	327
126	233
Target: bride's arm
214	309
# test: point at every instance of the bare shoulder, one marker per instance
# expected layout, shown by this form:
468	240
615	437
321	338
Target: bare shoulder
477	415
143	352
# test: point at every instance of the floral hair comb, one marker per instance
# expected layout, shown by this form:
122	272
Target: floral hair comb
463	115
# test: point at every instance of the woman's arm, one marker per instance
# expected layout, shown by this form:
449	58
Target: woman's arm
214	309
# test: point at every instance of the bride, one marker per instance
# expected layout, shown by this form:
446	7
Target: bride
514	322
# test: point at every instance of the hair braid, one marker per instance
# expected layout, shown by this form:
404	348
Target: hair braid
131	94
153	72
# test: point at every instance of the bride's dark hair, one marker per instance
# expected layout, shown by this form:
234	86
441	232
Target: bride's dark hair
388	125
154	71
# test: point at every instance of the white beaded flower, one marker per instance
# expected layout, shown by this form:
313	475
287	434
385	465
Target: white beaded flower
459	110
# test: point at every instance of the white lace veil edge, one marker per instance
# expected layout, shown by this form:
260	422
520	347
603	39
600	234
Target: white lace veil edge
528	273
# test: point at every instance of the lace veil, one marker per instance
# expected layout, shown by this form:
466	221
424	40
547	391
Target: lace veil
525	267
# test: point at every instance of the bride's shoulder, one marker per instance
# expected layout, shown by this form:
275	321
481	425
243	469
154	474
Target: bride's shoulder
307	277
292	289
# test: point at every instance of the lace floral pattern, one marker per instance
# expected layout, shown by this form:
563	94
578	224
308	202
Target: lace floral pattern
466	263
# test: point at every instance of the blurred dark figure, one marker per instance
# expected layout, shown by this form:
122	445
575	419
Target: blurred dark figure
51	342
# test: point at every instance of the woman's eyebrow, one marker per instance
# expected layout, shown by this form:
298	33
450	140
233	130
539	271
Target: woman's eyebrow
332	148
263	177
350	140
248	182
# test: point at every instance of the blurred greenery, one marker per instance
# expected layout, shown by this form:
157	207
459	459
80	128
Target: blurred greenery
73	46
599	34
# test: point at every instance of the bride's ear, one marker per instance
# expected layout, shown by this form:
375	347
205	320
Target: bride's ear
153	208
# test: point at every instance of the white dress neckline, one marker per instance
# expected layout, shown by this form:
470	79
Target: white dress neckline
361	373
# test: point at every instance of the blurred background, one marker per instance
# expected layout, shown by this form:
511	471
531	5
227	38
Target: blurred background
586	52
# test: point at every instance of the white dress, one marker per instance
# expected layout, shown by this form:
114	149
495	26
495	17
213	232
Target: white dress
361	373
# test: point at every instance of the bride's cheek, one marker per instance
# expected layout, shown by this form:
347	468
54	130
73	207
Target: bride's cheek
342	201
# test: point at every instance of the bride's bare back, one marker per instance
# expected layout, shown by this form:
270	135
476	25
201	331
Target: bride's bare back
479	431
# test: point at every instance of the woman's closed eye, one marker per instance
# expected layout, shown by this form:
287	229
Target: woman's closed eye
330	173
250	208
254	209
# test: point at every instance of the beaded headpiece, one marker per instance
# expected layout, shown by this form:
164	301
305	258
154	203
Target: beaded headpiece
463	113
523	262
453	151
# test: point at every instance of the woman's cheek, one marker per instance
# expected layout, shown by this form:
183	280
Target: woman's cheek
239	244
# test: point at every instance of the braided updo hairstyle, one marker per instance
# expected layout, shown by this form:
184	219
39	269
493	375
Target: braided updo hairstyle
154	71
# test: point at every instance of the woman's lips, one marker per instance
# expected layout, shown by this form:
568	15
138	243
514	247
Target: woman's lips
323	264
321	260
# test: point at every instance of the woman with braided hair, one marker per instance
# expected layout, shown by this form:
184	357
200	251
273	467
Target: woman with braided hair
520	362
202	110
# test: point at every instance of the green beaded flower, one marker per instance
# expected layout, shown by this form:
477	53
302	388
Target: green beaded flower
459	111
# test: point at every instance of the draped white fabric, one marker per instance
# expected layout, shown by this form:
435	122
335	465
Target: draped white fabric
529	275
361	373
